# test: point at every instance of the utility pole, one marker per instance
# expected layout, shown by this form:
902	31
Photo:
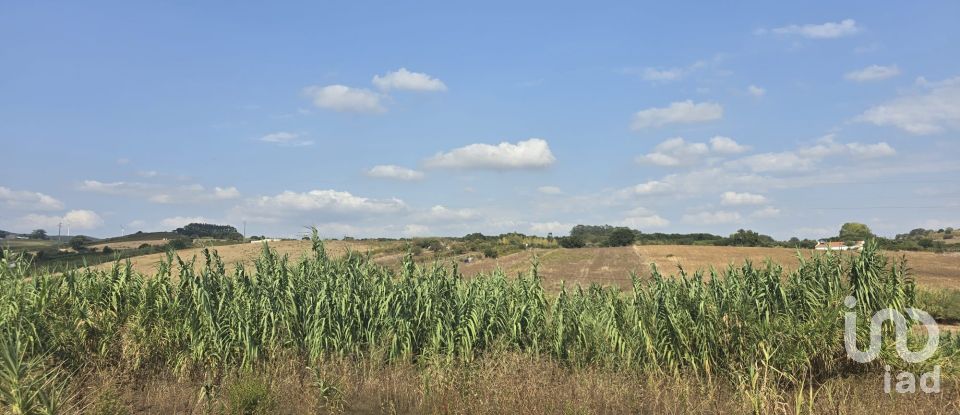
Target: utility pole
244	229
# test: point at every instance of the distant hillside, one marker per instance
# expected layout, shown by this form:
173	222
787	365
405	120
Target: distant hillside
141	236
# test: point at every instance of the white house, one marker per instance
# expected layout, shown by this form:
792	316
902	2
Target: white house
838	246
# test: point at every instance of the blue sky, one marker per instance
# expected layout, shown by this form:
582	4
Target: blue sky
373	119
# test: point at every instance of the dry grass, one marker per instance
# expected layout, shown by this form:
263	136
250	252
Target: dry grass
245	253
503	384
588	265
613	265
130	244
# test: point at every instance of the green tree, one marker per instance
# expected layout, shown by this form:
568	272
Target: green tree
38	234
78	242
572	241
852	231
621	237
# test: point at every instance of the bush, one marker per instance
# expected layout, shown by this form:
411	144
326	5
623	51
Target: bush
572	242
250	395
490	252
621	237
143	246
107	249
179	243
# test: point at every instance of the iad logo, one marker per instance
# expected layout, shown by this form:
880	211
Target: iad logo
906	381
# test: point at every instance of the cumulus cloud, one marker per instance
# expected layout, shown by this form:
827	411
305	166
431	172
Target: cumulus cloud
286	138
324	203
389	171
344	99
726	145
935	109
829	30
26	200
712	218
766	213
163	194
736	199
806	158
873	73
756	91
679	152
556	228
549	190
403	79
675	152
642	218
414	229
682	112
181	221
529	154
75	219
440	213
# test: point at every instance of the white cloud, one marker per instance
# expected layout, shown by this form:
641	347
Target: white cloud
319	202
827	147
556	228
163	194
344	99
642	218
74	219
416	230
712	218
736	199
440	213
829	30
756	91
873	73
726	145
532	153
286	138
773	162
224	193
662	75
25	200
682	112
181	221
406	80
549	190
933	111
389	171
650	187
766	213
679	152
674	152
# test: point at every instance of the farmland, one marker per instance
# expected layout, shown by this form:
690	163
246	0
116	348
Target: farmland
329	331
610	265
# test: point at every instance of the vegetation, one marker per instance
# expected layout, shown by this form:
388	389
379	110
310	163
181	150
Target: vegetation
752	328
206	230
852	231
621	237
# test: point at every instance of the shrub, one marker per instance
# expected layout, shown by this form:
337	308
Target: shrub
490	252
621	237
250	395
143	246
107	249
178	243
572	242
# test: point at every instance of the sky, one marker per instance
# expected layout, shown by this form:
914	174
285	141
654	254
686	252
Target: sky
391	119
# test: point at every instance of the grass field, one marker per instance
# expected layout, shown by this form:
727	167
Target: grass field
587	265
333	333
